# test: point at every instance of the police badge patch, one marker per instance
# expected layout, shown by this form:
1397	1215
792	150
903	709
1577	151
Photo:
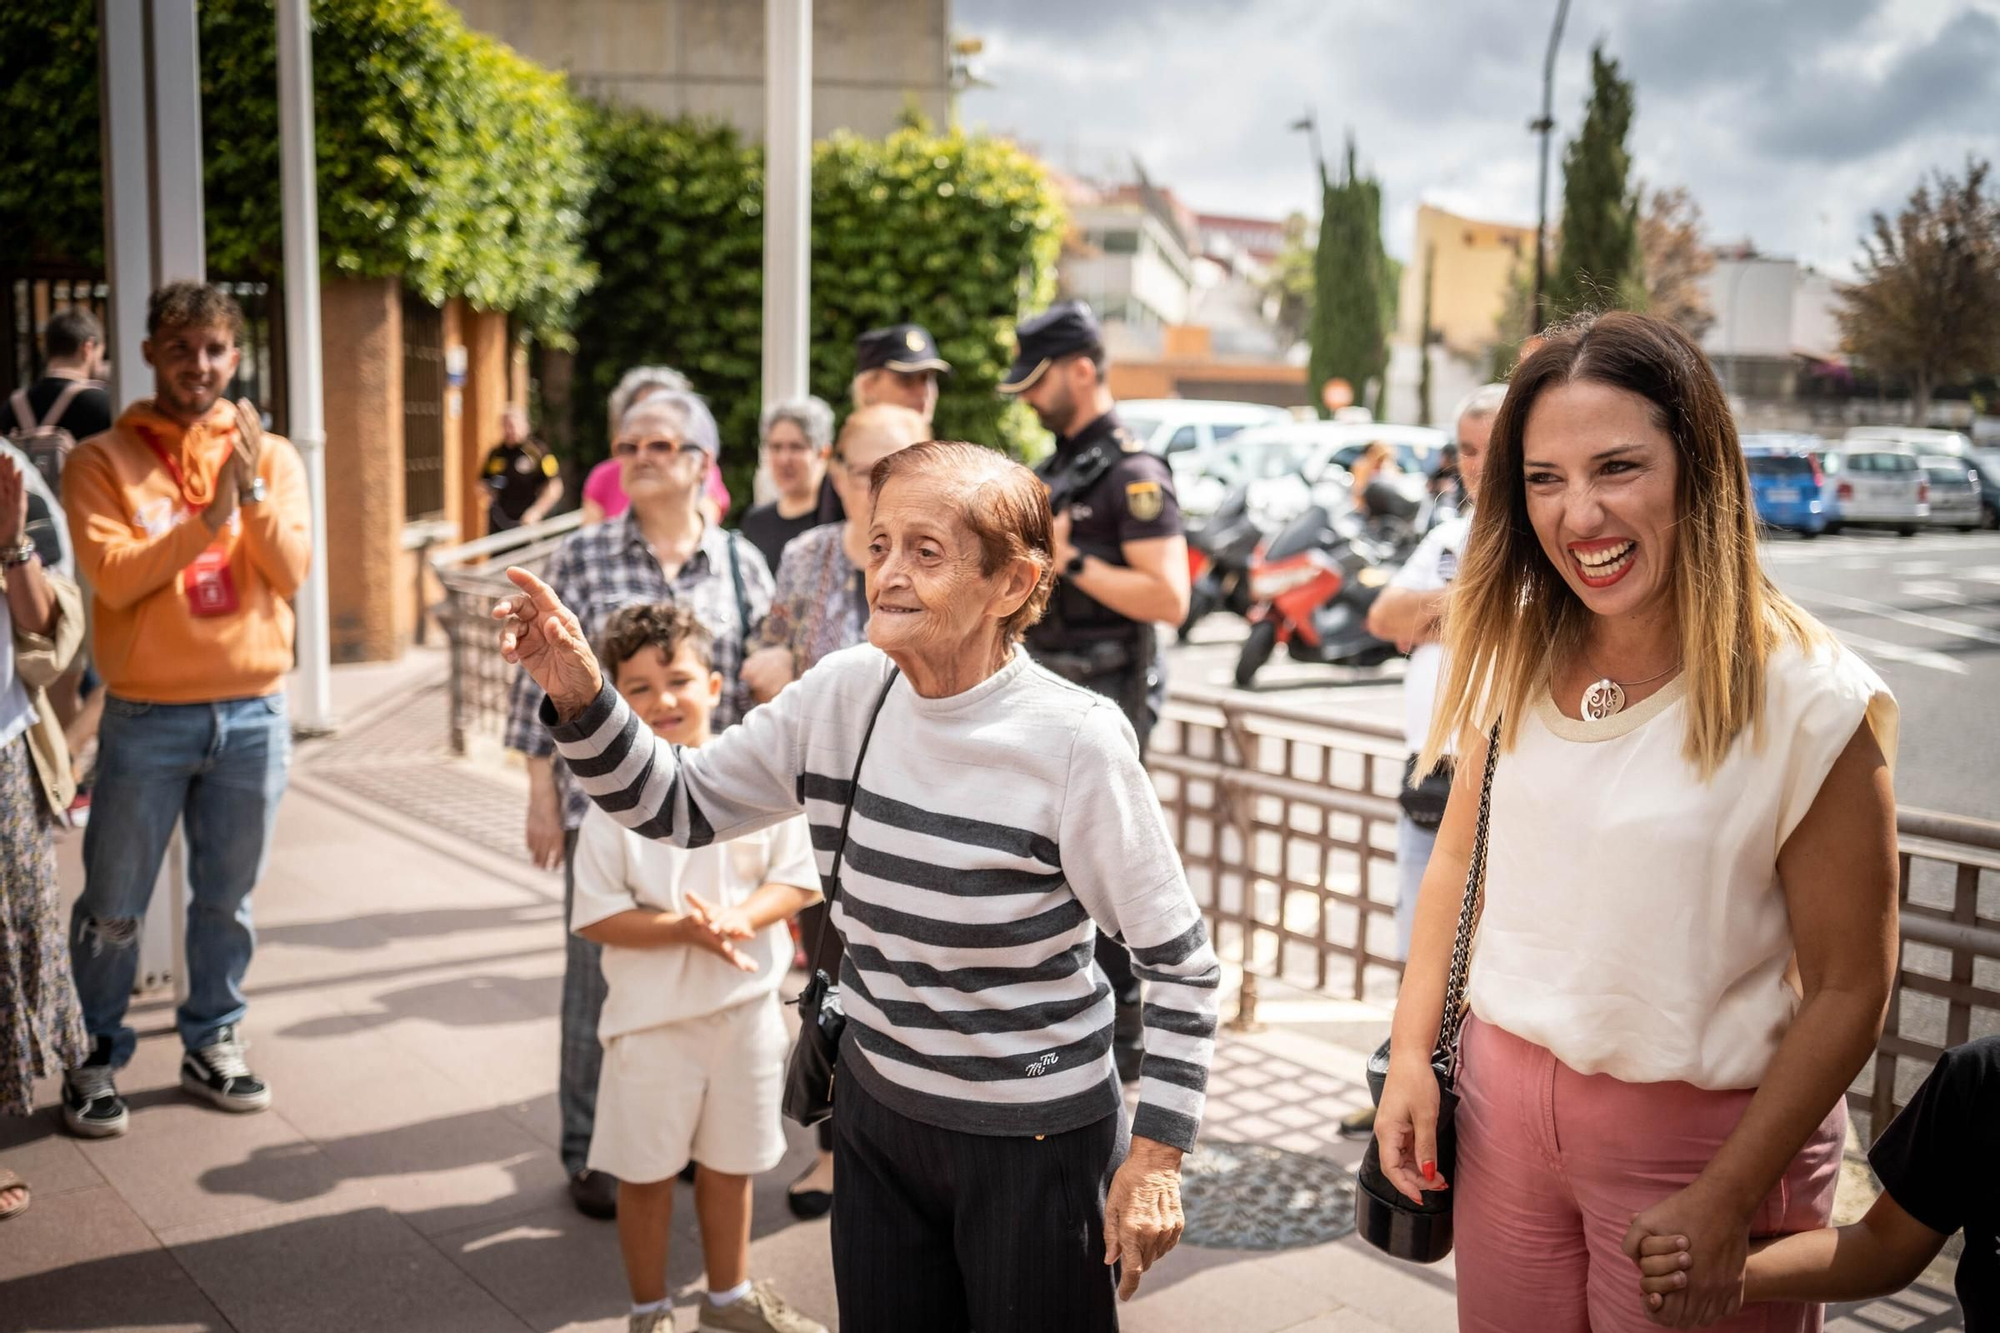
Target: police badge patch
1144	500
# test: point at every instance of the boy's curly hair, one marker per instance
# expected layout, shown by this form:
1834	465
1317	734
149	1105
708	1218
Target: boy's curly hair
655	625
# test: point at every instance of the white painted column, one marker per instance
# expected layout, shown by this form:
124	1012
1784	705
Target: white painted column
787	194
298	183
180	240
128	204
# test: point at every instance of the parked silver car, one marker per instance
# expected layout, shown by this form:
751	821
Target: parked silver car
1876	486
1954	493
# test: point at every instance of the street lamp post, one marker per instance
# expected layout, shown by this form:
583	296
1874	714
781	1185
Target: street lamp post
1542	125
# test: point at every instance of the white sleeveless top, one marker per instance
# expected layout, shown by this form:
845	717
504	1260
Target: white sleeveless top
1634	921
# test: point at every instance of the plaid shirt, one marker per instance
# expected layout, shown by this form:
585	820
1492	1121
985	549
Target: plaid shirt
600	570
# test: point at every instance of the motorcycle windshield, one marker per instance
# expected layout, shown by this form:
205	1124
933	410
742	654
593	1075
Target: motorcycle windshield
1310	529
1227	514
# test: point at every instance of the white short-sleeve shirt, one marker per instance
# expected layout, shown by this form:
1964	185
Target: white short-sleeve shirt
619	871
1634	921
1432	566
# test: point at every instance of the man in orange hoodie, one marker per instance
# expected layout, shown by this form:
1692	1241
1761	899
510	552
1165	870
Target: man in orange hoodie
191	529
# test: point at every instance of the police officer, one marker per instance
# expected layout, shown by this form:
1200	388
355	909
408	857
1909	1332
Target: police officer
1121	557
899	364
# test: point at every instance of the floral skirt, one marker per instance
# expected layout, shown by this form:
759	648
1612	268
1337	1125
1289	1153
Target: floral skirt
41	1023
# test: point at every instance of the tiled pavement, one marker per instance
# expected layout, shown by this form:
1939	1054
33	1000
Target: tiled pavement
403	1005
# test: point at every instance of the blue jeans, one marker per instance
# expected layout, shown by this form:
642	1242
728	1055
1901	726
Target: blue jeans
581	1056
220	768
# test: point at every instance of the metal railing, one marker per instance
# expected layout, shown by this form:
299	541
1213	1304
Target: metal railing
474	576
1286	816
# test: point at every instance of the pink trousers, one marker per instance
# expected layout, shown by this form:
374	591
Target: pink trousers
1552	1164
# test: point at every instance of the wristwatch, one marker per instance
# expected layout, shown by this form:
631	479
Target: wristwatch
12	557
252	494
1074	567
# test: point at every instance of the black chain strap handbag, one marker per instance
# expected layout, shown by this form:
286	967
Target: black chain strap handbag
809	1073
1421	1233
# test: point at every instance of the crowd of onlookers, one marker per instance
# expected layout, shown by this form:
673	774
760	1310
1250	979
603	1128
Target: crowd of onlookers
905	702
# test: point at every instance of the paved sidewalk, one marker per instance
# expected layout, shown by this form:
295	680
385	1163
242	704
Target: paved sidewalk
403	1005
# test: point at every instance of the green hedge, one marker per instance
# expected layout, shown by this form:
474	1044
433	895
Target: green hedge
447	159
959	233
443	156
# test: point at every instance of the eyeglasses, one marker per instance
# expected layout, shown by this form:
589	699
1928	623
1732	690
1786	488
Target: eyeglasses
659	448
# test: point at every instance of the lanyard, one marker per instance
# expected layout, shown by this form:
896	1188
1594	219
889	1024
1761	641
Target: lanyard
192	499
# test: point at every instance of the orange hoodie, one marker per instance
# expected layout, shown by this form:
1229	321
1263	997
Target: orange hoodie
135	536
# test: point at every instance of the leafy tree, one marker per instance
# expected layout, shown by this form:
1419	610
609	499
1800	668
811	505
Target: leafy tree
1676	258
1291	279
1598	262
1927	307
957	232
1351	311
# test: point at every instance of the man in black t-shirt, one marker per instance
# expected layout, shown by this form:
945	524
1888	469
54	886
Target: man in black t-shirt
523	479
75	349
1939	1163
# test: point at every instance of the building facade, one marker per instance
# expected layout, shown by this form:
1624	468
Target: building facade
872	59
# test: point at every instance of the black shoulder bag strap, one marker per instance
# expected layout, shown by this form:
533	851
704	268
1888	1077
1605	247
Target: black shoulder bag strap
831	884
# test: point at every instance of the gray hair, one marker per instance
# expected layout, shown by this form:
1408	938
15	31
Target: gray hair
697	425
639	379
813	418
1481	403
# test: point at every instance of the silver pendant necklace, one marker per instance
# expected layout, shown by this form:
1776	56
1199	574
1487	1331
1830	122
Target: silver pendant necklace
1605	696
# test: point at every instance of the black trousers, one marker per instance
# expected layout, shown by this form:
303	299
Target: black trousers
937	1231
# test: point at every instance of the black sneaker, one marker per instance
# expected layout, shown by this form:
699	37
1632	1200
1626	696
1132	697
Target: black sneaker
92	1107
595	1194
217	1072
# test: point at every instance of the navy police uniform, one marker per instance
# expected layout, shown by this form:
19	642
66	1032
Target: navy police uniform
1114	492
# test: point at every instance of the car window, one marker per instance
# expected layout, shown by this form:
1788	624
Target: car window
1223	430
1952	474
1142	428
1182	440
1779	466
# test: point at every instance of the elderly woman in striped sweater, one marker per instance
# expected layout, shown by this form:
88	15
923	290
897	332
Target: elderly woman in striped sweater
998	819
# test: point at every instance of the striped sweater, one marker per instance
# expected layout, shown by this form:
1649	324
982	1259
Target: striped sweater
994	833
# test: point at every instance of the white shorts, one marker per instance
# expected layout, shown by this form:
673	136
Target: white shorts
706	1088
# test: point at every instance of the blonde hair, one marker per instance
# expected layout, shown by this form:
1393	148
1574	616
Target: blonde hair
1511	613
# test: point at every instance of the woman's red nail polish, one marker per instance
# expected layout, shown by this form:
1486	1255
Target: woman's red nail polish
1430	1170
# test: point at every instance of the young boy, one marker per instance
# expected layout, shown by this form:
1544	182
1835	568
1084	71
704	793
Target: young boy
1939	1163
694	1044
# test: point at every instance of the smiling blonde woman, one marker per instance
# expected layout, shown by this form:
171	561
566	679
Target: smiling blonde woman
1689	917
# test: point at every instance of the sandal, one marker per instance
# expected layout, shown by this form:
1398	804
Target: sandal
10	1181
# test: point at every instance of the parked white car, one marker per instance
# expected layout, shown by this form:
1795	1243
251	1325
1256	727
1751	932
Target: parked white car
1283	463
1876	484
1954	492
1913	439
1180	429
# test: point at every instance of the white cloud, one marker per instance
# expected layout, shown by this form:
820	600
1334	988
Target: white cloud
1789	120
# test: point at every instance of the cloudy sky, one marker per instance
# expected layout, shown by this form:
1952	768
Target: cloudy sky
1788	119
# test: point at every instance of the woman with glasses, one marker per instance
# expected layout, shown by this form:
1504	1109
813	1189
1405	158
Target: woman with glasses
817	607
796	436
662	548
603	496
